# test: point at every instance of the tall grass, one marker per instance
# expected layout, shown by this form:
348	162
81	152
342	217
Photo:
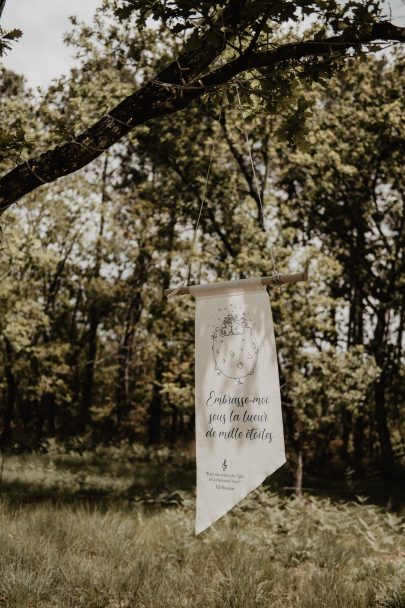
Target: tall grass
115	472
270	552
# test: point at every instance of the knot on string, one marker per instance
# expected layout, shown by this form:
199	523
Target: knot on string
35	174
118	120
275	274
276	278
174	291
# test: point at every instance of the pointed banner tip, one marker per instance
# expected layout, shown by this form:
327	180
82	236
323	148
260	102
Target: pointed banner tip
203	524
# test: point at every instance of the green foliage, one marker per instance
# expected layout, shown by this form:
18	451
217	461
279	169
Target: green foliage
325	386
183	14
92	353
7	38
17	125
89	345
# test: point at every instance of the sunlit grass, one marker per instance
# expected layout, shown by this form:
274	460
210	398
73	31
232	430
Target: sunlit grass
271	551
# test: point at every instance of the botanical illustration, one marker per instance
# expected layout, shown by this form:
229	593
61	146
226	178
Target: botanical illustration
234	346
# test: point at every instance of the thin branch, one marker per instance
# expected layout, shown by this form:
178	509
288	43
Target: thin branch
2	5
245	169
259	28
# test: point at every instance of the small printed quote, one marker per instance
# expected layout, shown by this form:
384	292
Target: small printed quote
225	481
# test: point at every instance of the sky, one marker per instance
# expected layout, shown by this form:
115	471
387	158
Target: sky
41	54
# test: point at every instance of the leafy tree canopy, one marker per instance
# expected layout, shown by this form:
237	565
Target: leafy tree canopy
212	45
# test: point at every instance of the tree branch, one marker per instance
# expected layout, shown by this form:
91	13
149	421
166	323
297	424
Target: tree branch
161	96
245	170
2	5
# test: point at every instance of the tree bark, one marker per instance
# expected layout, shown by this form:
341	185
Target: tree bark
133	314
94	317
156	405
162	96
298	475
358	437
11	393
386	453
384	439
88	379
2	5
125	356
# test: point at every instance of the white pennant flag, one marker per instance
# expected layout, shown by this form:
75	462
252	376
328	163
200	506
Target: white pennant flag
239	426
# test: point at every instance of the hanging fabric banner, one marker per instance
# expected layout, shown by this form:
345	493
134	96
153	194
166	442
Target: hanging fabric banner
239	426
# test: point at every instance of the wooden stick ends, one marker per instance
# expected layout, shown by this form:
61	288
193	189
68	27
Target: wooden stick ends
276	280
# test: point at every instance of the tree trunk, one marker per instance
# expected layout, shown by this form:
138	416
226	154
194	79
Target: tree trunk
11	393
125	356
156	405
347	425
88	380
386	454
2	5
133	314
298	475
174	429
359	444
94	317
384	439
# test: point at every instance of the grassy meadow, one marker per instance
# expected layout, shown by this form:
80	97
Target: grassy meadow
108	530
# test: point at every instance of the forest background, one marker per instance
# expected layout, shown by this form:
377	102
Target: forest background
97	365
91	348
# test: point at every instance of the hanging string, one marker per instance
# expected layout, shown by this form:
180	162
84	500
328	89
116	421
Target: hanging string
118	121
203	199
275	274
34	173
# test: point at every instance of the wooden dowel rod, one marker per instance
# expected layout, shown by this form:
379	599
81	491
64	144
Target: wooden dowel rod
280	279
